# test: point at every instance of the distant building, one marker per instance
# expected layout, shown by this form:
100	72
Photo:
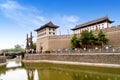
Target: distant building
97	24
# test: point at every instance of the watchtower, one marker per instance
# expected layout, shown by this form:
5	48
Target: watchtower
48	29
43	33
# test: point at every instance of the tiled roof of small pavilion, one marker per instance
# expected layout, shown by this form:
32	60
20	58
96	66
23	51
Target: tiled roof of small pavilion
49	24
99	20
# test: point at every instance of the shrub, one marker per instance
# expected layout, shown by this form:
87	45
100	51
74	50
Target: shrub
47	51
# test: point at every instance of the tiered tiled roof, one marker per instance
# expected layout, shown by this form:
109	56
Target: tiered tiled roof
49	24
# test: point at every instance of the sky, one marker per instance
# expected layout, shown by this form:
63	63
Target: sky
20	17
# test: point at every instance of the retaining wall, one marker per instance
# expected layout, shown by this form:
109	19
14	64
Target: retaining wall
110	58
2	59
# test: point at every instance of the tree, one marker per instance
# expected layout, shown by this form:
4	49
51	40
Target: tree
91	38
86	38
75	42
96	42
102	40
8	50
18	48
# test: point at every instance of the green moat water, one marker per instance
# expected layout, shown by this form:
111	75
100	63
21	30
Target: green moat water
14	70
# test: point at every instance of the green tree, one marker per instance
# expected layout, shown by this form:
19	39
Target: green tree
75	42
96	42
18	48
102	40
87	38
8	50
91	38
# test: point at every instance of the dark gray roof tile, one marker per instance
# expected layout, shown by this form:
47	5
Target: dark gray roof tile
105	18
49	24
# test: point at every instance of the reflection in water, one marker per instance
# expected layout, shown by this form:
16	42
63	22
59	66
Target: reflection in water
50	71
2	69
47	71
53	74
13	63
13	72
30	74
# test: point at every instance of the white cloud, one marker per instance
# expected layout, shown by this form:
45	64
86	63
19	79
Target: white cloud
11	5
40	18
25	16
71	18
30	17
66	22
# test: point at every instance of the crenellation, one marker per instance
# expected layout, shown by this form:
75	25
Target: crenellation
59	36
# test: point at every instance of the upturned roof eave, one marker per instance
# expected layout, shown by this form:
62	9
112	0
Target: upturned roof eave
49	24
90	23
45	27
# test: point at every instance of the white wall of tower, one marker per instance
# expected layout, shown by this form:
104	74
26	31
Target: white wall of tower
46	32
94	27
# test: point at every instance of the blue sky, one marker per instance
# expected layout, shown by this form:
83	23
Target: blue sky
19	17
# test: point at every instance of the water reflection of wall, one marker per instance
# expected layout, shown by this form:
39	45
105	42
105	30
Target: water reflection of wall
70	72
2	59
2	69
30	74
54	74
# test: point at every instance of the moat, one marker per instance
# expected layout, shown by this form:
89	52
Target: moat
15	70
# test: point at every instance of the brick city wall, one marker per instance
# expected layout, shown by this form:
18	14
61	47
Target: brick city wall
113	34
110	58
59	42
53	42
112	29
63	41
42	42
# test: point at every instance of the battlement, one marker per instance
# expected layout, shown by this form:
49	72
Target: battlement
59	36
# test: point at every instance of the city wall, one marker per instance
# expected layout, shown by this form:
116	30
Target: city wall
113	34
63	41
55	42
2	60
58	42
43	42
108	58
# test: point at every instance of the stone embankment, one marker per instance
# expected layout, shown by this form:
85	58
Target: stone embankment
2	60
107	58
